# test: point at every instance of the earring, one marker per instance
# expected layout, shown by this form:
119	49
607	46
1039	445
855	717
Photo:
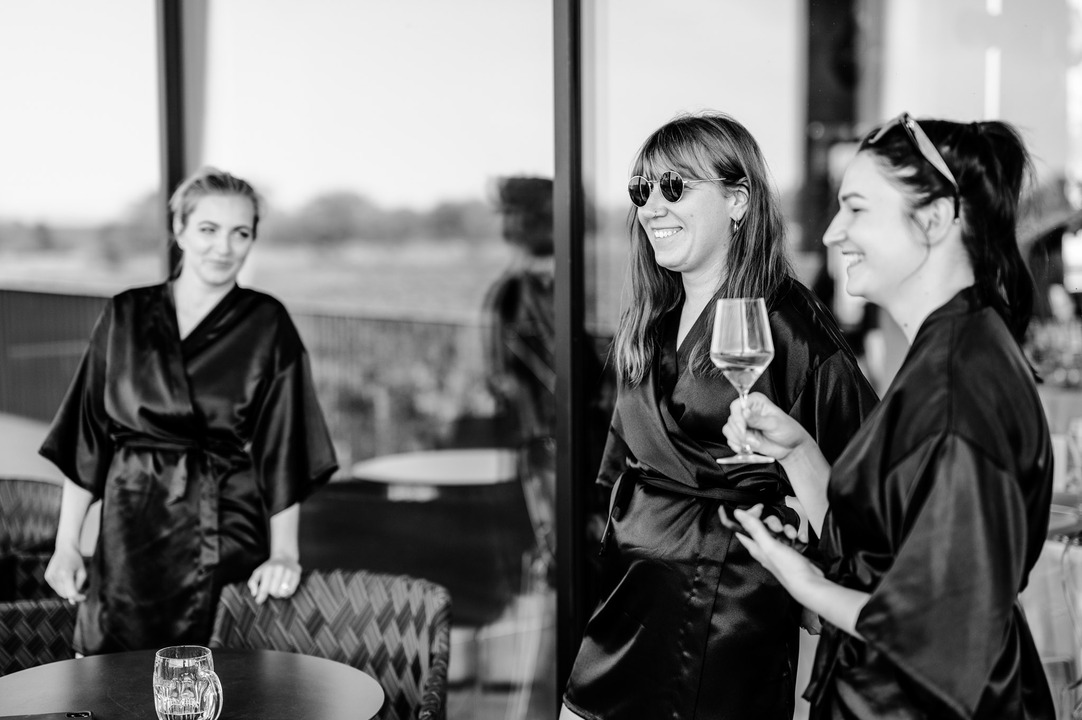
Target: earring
736	225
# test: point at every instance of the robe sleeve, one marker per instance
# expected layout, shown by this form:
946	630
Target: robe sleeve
942	611
615	455
834	403
291	446
78	441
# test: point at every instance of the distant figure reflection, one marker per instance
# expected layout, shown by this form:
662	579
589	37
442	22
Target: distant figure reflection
519	309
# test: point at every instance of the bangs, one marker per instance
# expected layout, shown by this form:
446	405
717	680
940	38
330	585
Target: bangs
685	155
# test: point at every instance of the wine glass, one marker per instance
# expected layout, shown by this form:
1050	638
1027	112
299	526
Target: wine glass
741	346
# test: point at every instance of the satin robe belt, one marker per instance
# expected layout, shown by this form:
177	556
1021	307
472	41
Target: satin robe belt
621	493
208	459
729	496
221	454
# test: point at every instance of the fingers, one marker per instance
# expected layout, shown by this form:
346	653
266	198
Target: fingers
757	410
810	622
67	576
286	584
752	547
772	527
751	521
254	583
745	427
274	578
80	580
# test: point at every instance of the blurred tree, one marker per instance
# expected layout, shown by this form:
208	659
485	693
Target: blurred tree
332	218
43	237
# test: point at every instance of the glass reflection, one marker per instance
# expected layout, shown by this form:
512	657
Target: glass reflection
382	134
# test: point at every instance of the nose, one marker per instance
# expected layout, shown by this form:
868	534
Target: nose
835	232
223	244
655	206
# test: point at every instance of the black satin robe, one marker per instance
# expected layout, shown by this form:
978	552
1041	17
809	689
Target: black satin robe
690	625
939	508
191	445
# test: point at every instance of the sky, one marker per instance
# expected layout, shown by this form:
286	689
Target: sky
79	123
415	102
408	102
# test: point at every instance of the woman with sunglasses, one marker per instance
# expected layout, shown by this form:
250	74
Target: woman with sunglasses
934	515
689	625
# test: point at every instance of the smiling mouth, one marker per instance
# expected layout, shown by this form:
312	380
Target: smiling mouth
852	258
665	233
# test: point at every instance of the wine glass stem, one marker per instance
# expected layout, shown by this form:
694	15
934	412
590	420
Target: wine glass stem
744	406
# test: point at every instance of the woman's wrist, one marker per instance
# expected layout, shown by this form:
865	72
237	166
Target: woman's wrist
806	461
838	605
286	556
65	544
808	472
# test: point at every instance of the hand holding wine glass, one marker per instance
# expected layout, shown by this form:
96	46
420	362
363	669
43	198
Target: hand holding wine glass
742	347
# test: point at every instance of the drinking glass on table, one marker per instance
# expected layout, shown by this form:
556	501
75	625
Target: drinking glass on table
185	684
741	346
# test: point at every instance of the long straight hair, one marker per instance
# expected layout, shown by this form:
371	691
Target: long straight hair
704	145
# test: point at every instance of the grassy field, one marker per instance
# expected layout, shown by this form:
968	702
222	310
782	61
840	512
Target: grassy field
417	280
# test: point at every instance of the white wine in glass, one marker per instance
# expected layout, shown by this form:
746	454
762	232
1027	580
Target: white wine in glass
741	346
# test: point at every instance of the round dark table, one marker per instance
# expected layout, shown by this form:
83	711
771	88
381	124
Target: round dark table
256	685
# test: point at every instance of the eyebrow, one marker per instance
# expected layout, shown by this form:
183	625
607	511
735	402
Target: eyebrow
235	227
849	195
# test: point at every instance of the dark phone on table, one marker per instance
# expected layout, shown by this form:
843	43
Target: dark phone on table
86	714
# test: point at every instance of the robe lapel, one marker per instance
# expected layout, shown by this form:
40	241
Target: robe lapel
214	324
657	439
173	349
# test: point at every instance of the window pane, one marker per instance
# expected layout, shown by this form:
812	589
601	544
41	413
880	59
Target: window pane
79	181
378	133
79	170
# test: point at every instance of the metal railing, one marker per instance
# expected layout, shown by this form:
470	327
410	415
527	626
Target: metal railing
385	385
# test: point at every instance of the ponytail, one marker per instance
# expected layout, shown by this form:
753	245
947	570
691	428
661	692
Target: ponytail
994	171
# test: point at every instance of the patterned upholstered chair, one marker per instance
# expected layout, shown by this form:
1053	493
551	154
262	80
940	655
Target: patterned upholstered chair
34	632
29	511
393	627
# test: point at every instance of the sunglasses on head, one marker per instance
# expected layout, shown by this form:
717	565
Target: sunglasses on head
926	148
672	186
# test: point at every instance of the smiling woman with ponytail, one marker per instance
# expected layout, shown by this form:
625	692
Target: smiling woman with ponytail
933	516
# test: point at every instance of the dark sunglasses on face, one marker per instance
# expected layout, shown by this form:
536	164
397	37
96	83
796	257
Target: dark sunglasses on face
926	148
672	187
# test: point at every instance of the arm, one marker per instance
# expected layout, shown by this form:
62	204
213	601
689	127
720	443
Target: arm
283	530
293	455
768	430
280	574
66	572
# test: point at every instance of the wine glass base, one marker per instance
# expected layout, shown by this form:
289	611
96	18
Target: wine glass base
745	459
